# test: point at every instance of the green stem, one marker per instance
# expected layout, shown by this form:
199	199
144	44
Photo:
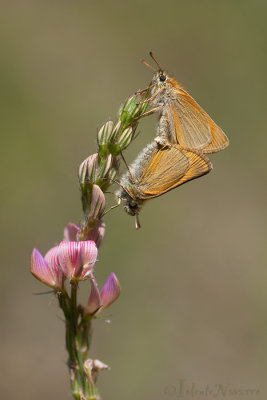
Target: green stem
65	304
75	342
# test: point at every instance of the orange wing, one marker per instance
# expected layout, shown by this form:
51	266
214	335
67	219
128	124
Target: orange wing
193	127
170	167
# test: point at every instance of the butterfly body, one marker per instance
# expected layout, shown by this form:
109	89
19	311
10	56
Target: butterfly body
181	119
158	170
177	155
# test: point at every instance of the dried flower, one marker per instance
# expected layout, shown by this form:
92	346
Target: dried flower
92	367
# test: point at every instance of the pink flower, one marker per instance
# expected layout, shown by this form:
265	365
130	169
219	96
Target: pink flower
109	293
77	259
70	232
96	233
94	302
46	269
97	203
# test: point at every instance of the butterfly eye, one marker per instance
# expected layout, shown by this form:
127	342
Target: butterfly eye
162	78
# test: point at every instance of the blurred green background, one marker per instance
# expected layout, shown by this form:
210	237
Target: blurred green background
193	302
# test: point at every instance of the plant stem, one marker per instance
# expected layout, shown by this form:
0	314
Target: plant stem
75	342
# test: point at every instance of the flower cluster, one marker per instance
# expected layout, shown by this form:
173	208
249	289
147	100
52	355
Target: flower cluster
75	261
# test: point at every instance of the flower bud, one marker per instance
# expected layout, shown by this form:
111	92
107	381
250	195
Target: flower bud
110	291
113	172
105	133
104	167
97	203
116	130
97	233
127	111
94	302
94	170
87	169
125	138
133	108
46	269
70	232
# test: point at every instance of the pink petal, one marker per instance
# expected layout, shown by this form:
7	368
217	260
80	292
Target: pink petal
77	259
70	232
105	133
41	270
110	291
116	129
88	168
69	256
105	166
97	233
89	255
94	301
98	203
52	260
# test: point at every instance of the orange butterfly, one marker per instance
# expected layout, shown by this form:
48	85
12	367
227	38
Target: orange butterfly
181	119
156	171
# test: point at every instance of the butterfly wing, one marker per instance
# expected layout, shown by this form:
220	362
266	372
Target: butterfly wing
170	167
193	127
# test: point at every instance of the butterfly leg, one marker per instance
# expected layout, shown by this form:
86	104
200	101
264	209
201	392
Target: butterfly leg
152	97
111	208
149	112
127	166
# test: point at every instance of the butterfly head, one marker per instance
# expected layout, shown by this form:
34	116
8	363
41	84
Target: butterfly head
160	79
131	204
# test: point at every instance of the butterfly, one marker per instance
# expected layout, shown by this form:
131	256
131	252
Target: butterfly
157	170
181	119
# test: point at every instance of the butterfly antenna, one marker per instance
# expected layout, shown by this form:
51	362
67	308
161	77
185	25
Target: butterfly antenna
116	182
130	172
153	58
148	65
